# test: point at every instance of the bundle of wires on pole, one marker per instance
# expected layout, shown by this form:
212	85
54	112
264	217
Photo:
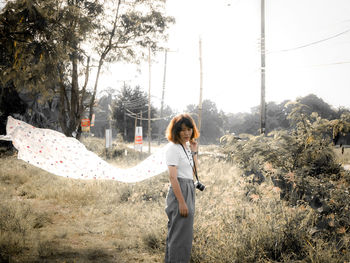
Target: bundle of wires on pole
136	116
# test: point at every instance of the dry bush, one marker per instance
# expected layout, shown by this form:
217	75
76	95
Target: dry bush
232	226
302	164
240	222
17	222
13	229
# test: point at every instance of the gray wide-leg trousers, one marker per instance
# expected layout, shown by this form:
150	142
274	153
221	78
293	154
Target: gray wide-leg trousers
180	229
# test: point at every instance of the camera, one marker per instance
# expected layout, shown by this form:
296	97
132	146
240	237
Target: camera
199	185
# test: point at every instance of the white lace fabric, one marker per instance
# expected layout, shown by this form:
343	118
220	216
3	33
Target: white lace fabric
65	156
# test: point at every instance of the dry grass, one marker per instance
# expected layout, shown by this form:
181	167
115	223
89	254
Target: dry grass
46	218
344	158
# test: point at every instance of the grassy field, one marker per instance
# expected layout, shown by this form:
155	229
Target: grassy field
46	218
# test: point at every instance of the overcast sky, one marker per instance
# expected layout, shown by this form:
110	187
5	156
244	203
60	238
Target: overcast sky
230	32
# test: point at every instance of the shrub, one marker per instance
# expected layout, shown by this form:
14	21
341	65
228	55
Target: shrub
303	165
15	222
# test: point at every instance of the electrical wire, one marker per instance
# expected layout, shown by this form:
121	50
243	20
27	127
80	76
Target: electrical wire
331	64
152	119
133	103
134	100
134	116
310	44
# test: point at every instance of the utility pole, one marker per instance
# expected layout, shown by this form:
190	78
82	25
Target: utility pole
263	102
163	91
124	123
200	87
149	99
110	111
135	131
108	132
141	128
124	85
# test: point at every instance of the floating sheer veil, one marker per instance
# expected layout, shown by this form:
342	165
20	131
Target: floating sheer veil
65	156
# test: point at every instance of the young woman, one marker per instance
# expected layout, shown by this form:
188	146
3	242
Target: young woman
181	157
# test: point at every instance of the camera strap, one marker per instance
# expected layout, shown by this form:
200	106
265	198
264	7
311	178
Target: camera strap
194	168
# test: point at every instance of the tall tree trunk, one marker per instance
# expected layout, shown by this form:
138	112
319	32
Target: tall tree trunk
70	110
82	97
62	117
74	115
102	58
92	101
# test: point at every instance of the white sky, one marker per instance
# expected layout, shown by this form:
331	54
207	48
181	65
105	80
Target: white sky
230	32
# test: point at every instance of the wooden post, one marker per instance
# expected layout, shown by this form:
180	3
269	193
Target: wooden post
263	102
141	126
200	88
162	103
135	130
149	100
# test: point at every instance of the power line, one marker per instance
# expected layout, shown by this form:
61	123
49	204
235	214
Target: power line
134	116
136	101
152	119
135	108
312	43
331	64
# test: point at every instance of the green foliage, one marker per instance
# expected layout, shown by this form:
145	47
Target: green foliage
316	104
131	28
129	105
277	115
341	126
24	46
102	117
42	54
45	43
212	121
303	165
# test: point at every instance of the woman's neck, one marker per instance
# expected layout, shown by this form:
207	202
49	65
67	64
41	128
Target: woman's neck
184	144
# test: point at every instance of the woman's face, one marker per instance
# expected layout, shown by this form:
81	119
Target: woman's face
185	133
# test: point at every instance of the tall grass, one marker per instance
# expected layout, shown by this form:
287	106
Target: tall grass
52	219
343	157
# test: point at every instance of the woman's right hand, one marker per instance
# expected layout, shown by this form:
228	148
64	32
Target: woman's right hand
183	209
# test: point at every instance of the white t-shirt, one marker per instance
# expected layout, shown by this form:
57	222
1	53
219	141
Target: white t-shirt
175	155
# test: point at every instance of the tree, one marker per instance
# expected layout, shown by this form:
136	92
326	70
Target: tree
42	40
252	121
131	103
316	104
10	103
78	20
276	116
102	116
128	32
236	123
46	42
212	122
161	125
